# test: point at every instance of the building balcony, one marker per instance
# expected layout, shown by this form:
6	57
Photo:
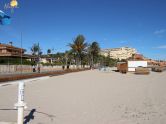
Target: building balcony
11	55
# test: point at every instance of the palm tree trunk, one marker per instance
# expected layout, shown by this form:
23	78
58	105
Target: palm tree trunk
77	62
92	61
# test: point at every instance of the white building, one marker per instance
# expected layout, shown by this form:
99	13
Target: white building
132	65
119	53
46	59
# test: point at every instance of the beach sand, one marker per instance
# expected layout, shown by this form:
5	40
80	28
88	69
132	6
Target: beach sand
90	97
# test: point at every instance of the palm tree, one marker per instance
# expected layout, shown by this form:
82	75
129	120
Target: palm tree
78	47
59	58
49	55
35	49
48	51
94	50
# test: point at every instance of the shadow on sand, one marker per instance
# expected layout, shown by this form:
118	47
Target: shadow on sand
29	117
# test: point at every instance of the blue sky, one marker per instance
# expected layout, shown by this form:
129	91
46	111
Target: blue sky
113	23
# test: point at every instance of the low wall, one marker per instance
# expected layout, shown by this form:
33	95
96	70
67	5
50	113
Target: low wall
14	68
28	68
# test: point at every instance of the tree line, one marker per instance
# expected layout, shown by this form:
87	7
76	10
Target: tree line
81	53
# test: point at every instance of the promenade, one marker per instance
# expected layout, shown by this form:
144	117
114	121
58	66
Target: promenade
90	97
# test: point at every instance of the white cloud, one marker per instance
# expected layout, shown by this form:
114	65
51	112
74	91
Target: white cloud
123	41
105	39
160	32
161	47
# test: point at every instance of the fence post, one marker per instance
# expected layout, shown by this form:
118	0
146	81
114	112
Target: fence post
20	105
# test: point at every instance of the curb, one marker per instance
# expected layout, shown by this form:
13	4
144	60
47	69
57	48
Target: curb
26	81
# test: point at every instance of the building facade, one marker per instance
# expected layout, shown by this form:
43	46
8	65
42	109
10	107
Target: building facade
119	53
10	51
11	54
46	59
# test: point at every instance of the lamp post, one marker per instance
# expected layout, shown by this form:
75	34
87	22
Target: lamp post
38	63
21	52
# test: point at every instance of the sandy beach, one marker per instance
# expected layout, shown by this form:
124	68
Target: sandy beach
90	97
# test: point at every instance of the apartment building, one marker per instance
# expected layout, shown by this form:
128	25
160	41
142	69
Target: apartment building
7	50
119	53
